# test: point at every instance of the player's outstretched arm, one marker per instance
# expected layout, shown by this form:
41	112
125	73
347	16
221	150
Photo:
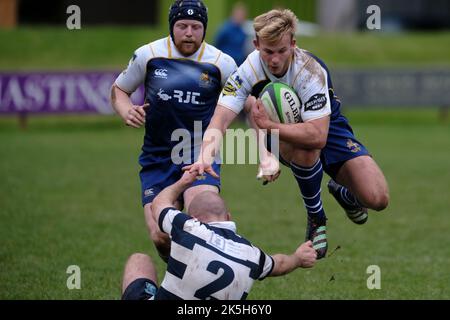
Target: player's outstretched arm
132	115
211	141
169	195
304	257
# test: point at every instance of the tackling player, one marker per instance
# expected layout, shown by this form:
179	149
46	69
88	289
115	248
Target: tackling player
208	260
323	140
183	77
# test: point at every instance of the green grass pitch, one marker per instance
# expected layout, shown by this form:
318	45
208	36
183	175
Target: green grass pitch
69	195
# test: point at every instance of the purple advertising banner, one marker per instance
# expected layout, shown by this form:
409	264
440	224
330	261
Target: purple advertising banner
59	92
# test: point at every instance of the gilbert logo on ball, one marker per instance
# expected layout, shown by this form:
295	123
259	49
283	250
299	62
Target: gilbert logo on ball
281	103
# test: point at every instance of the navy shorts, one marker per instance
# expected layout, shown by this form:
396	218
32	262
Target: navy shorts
341	146
155	177
140	289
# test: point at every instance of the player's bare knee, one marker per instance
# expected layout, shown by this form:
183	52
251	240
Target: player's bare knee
138	257
139	265
135	262
378	201
382	201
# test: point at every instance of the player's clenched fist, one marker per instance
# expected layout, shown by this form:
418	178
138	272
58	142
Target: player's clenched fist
269	169
136	116
306	255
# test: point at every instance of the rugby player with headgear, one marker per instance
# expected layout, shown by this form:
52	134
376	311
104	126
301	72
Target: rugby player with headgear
183	77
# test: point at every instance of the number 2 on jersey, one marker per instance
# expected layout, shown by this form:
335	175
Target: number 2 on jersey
222	282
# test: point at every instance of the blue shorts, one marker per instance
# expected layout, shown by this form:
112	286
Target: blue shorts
146	289
156	176
140	289
341	146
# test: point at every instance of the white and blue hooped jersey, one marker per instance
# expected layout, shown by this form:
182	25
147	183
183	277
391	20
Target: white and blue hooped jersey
209	261
306	74
180	90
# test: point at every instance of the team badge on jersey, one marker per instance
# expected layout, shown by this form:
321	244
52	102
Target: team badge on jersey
316	102
233	83
353	146
237	80
205	80
229	89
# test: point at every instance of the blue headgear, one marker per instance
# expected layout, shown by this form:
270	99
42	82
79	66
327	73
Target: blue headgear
189	10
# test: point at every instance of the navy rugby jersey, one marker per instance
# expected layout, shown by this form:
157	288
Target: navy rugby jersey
180	91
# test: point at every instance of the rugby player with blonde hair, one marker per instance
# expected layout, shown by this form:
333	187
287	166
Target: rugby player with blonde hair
322	141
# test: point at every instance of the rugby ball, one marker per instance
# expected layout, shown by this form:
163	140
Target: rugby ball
281	103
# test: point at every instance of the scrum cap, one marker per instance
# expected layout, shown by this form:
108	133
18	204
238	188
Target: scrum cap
188	10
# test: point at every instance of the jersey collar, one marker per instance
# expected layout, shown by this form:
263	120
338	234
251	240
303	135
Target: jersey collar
230	225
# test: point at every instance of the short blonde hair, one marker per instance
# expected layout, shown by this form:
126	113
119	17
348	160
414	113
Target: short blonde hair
273	25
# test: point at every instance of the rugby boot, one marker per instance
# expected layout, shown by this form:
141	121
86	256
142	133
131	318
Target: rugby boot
355	213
